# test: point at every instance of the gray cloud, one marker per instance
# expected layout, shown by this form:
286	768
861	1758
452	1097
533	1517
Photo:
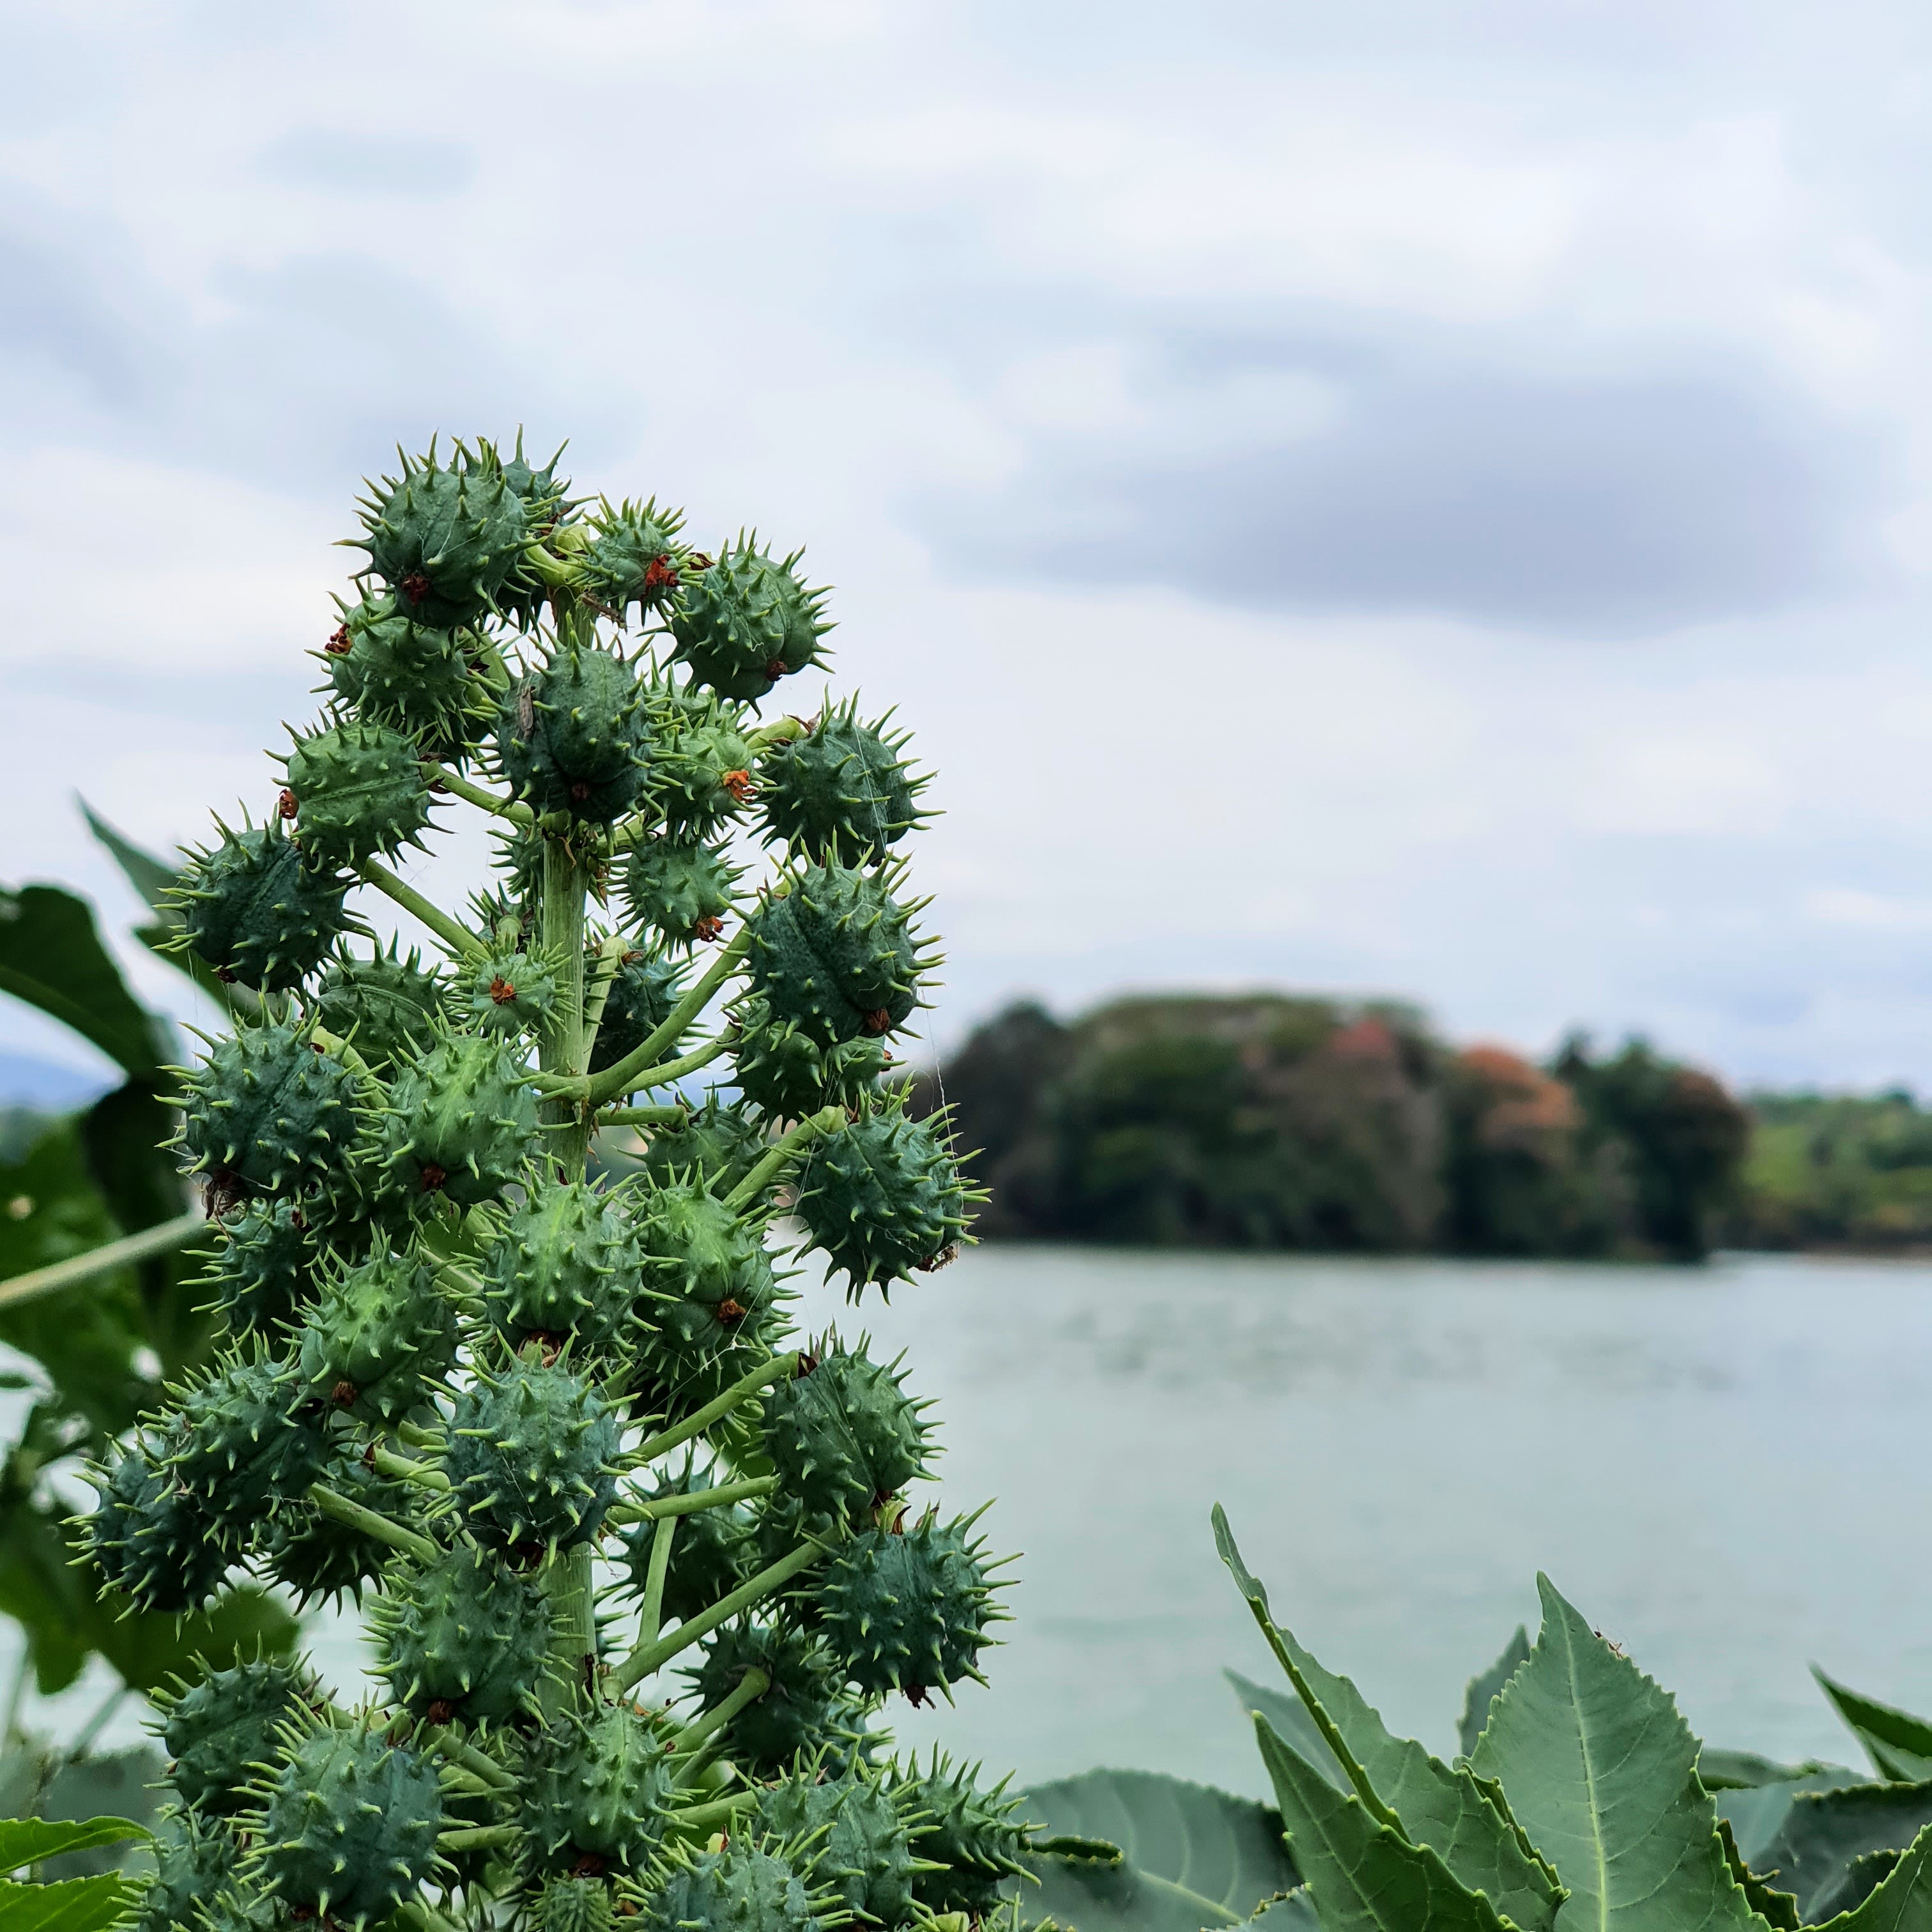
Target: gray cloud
1593	506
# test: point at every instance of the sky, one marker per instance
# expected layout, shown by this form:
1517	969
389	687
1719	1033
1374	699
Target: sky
1390	499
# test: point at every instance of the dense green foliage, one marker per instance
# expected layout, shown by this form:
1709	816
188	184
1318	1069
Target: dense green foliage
1265	1121
486	1360
1578	1797
1832	1171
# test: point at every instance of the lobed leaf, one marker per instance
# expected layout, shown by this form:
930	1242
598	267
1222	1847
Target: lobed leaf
51	956
1898	1744
1430	1804
1183	1849
1482	1689
1825	1833
1600	1769
1363	1875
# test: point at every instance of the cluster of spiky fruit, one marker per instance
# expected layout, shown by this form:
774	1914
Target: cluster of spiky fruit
508	1354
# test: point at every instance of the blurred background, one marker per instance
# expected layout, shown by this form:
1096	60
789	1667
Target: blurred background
1427	512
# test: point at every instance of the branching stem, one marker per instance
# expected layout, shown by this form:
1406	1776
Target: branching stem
463	943
650	1657
752	1686
827	1120
373	1524
686	1503
622	1078
458	786
776	1370
405	1469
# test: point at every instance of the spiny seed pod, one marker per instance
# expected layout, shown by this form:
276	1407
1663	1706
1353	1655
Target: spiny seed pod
800	1712
572	1905
320	1558
386	1005
347	1826
717	1144
595	1792
248	1444
259	909
269	1109
379	1337
464	1632
700	768
882	1194
573	734
445	540
908	1609
974	1836
530	1456
680	889
566	1265
219	1729
713	1293
867	1853
709	1547
747	621
835	955
263	1271
842	1435
509	992
461	1122
757	1885
840	791
148	1538
359	791
390	670
634	557
789	1071
643	990
546	500
193	1857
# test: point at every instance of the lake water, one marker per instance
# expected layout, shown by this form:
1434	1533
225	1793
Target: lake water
1729	1470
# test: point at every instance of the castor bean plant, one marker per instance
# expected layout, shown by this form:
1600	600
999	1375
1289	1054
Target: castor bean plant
507	1360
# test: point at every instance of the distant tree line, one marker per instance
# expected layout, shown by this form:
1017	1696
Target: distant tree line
1267	1121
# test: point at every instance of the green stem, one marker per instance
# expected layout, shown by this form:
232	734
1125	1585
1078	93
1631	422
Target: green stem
464	944
619	1079
752	1686
666	1070
609	957
644	1117
421	1439
827	1120
779	731
687	1501
561	1051
477	1837
407	1470
573	1639
717	1408
372	1523
458	786
460	1751
719	1811
650	1657
650	1621
123	1253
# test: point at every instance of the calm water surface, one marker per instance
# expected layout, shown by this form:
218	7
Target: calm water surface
1729	1470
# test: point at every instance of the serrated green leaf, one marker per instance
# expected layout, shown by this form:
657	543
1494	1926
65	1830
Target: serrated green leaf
1293	1911
1428	1802
1746	1771
1824	1832
1778	1910
1898	1744
1902	1901
1482	1690
51	956
1757	1814
72	1905
1364	1876
1290	1717
1192	1856
1600	1770
26	1841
